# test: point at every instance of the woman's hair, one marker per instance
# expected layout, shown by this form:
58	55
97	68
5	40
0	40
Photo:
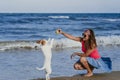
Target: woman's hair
91	42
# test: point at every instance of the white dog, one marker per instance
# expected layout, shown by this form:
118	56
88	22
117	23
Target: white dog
46	49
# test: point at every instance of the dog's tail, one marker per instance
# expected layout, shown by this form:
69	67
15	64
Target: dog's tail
40	68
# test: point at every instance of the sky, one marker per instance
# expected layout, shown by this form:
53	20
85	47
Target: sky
59	6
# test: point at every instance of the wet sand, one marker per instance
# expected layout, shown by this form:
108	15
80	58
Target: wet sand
115	75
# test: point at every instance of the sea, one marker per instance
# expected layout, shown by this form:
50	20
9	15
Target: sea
19	32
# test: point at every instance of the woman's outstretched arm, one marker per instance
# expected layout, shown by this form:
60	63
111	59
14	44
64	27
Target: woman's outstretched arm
70	36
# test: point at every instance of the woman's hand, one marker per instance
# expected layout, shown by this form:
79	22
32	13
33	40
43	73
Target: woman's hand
74	54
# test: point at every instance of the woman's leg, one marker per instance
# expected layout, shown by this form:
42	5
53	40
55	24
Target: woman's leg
78	66
84	61
91	67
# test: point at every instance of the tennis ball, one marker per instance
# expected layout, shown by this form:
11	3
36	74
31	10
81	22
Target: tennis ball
57	32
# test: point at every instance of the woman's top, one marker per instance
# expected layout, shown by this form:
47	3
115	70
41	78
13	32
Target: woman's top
94	54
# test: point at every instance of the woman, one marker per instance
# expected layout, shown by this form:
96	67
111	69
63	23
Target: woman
90	58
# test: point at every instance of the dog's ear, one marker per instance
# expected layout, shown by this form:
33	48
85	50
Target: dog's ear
43	42
38	41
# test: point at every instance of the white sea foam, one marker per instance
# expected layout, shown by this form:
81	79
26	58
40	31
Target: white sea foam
67	17
16	44
108	40
112	20
60	43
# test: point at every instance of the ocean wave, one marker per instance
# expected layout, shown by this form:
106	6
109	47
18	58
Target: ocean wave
59	43
83	19
6	45
25	20
108	40
57	17
112	20
62	43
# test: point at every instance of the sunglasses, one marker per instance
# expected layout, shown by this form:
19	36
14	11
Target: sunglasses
83	35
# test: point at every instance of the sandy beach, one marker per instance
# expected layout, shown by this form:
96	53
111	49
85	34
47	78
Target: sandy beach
115	75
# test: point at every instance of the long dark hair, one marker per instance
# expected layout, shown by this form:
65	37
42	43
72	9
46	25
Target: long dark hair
91	42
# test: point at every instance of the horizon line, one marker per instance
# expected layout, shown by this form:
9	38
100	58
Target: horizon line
63	12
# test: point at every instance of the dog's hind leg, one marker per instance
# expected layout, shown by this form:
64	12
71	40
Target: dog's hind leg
47	76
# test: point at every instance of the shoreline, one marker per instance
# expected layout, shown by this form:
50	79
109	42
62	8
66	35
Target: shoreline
97	76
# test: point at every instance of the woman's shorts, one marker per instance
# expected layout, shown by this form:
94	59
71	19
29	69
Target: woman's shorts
97	63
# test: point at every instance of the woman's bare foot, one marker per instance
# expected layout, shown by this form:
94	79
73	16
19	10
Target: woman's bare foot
88	75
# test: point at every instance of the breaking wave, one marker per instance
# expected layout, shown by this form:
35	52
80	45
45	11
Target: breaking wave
59	43
57	17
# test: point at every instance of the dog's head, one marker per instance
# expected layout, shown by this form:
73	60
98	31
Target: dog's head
42	42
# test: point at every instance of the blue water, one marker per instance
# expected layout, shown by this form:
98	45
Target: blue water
36	26
19	31
20	27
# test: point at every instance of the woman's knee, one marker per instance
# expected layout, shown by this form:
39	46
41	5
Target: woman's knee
83	59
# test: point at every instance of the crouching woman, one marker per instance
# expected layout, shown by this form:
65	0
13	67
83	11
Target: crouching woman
90	58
